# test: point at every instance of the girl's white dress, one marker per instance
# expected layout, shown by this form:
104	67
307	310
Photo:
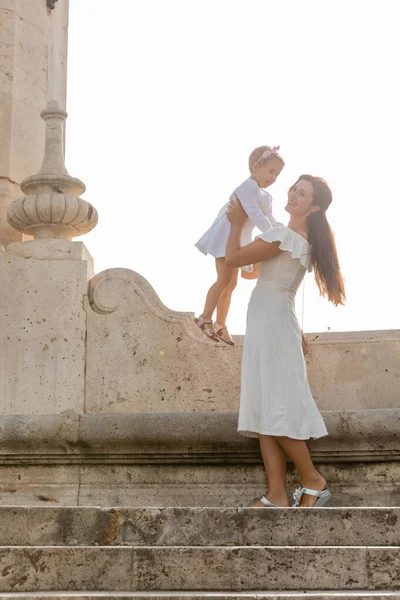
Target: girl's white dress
275	394
257	203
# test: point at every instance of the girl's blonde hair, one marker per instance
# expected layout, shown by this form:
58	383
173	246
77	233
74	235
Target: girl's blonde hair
257	153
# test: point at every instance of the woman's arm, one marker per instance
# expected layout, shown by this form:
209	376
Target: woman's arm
256	252
304	343
251	254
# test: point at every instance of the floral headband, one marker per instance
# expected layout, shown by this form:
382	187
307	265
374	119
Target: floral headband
269	153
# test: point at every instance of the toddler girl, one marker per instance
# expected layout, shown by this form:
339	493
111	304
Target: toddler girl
265	165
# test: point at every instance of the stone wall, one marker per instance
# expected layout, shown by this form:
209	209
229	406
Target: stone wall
106	344
143	357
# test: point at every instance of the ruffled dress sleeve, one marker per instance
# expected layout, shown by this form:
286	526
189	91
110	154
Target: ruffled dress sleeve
291	242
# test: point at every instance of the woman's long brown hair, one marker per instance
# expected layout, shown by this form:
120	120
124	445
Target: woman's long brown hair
324	258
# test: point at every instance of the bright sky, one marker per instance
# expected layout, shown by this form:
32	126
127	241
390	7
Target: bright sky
166	100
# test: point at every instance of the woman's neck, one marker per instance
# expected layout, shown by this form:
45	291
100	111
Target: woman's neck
299	225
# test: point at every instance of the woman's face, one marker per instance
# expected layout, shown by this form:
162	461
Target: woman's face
300	199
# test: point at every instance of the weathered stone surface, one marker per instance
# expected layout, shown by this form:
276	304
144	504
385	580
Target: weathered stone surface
208	596
159	353
198	527
13	526
183	460
53	250
51	208
39	486
39	433
39	495
367	434
370	435
210	568
372	484
355	370
143	357
384	568
250	568
33	66
41	569
42	335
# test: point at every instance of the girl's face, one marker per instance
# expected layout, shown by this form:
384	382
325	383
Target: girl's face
300	199
266	174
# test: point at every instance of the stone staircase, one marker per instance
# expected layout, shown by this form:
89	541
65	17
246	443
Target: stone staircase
86	552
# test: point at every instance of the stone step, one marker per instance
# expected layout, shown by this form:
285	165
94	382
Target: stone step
90	526
259	595
225	569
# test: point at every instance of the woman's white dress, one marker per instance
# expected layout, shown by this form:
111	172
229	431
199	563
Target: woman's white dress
275	394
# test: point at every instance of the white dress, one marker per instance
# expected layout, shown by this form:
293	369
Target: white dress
257	203
275	394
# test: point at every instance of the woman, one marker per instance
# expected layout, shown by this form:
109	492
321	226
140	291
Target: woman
276	403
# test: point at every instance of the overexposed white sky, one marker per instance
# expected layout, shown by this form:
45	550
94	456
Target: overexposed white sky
166	100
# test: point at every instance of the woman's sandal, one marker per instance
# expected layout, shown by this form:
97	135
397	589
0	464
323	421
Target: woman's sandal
267	503
206	325
223	334
322	497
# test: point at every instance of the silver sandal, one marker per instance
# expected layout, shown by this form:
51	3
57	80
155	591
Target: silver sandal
266	503
322	497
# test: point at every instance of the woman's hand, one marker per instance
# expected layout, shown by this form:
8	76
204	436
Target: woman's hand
305	344
235	213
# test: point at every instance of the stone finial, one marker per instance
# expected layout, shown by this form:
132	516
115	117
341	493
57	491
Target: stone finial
52	208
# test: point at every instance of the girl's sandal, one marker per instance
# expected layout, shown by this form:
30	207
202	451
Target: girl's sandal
223	334
207	328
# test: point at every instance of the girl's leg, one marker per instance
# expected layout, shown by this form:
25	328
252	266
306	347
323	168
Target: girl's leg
225	300
224	278
310	478
274	459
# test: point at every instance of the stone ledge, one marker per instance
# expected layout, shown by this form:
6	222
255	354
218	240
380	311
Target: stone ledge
347	337
204	438
293	595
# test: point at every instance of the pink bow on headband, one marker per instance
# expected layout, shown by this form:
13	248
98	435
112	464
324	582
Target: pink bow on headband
268	153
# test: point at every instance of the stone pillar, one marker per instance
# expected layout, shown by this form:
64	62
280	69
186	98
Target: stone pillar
33	70
44	285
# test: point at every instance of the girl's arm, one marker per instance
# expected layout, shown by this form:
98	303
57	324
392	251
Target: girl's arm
248	199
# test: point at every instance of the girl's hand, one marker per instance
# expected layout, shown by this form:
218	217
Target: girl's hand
235	213
253	275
